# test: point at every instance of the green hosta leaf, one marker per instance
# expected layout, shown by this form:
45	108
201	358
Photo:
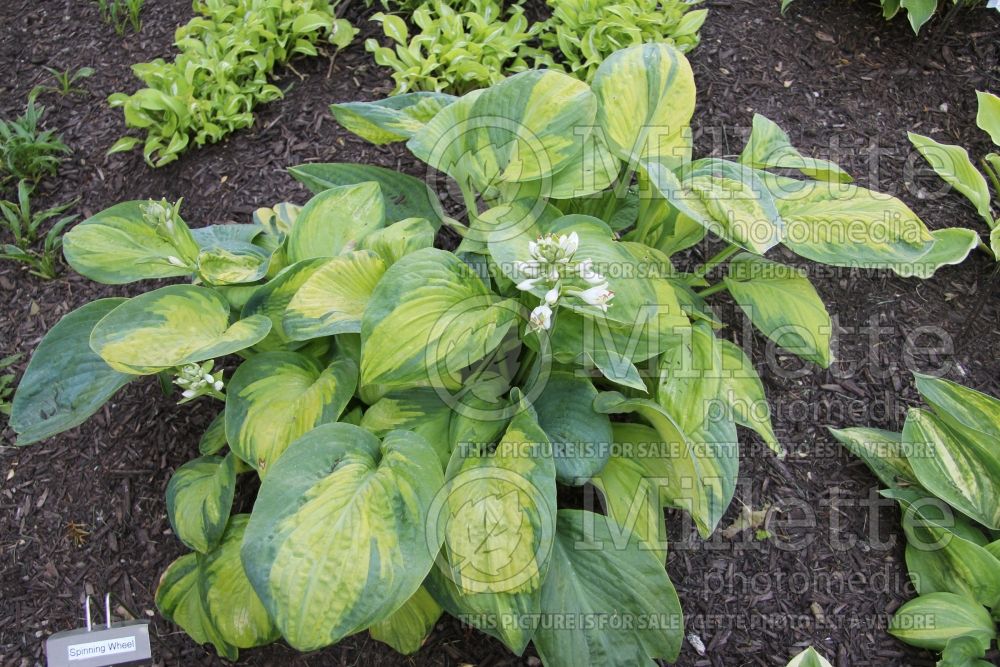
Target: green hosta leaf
743	391
918	12
234	607
952	163
844	225
690	377
770	147
172	326
963	651
988	117
334	220
271	300
810	657
408	627
233	264
646	99
882	451
214	236
393	119
783	304
607	578
581	437
429	317
951	246
929	621
420	410
337	540
522	129
960	406
275	397
701	475
199	499
591	169
333	299
180	600
118	245
214	438
65	382
399	239
955	468
403	196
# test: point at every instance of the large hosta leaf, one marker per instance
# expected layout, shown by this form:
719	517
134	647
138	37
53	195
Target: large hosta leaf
881	450
199	499
690	378
429	317
580	436
395	118
179	598
406	628
421	410
929	621
172	326
743	391
988	116
337	539
400	239
272	298
954	166
961	406
275	397
951	246
334	220
65	382
592	577
770	147
333	299
233	264
647	97
783	304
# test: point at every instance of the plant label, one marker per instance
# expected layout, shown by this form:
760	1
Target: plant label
122	643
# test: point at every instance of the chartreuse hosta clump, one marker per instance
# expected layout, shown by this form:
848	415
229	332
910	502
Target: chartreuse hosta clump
944	471
953	164
416	415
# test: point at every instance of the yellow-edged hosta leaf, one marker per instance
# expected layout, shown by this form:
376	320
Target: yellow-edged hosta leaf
337	539
809	658
783	304
421	410
624	580
399	239
961	406
929	621
988	116
429	317
743	391
65	381
592	169
334	220
172	326
333	299
235	609
199	499
951	246
406	628
179	598
690	377
646	99
272	298
395	118
580	437
275	397
214	437
233	264
770	147
954	166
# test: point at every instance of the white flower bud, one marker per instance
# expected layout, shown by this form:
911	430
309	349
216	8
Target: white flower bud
219	385
552	296
529	284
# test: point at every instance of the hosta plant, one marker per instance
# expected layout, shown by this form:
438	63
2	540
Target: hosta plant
226	54
919	12
944	471
426	424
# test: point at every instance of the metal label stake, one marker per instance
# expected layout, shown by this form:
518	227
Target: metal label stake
122	643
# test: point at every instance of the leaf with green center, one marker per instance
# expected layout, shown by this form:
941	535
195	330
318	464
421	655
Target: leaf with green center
743	391
770	147
180	600
420	410
592	169
333	299
213	236
929	621
335	220
235	609
593	576
337	539
951	246
690	377
988	116
429	317
233	263
953	165
882	451
960	406
783	304
272	298
406	629
524	128
172	326
199	499
275	397
399	239
580	437
214	438
646	98
65	381
393	119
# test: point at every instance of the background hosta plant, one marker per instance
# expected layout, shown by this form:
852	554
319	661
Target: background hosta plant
944	471
421	420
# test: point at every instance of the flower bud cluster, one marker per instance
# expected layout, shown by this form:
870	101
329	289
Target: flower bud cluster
199	380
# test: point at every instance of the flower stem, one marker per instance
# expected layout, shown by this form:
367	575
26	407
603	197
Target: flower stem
712	289
716	260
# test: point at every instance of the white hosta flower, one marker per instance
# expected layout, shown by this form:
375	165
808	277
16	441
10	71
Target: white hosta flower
552	296
587	272
569	244
176	261
530	269
541	318
598	295
528	284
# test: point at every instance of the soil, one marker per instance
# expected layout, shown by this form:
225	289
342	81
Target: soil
84	513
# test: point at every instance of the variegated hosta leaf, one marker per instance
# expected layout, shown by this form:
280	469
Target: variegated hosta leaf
337	539
690	378
960	406
429	317
333	299
394	242
275	397
844	225
118	245
408	627
591	169
497	517
403	196
180	600
172	326
630	485
65	382
959	469
420	410
213	236
988	116
335	220
231	602
393	119
199	499
954	166
770	147
702	472
783	304
214	437
951	246
929	621
233	263
609	575
272	298
524	128
646	99
809	658
743	391
882	451
580	436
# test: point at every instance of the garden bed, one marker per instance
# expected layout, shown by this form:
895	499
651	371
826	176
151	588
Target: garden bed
85	511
